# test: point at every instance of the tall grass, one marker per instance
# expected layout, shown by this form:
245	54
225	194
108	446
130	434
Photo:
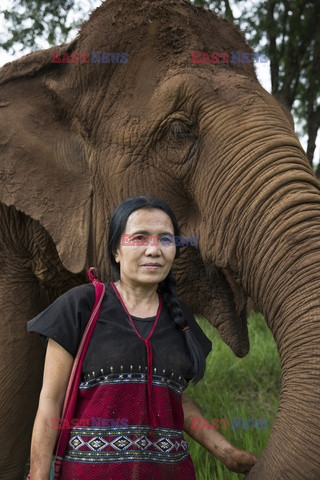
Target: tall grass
233	387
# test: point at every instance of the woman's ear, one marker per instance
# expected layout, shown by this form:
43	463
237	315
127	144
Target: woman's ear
116	255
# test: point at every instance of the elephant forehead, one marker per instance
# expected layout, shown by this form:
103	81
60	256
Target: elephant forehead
176	96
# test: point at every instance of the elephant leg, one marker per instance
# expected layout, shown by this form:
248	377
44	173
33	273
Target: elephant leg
31	277
21	365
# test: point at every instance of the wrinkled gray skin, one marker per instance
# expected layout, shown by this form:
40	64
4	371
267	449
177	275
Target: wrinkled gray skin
76	139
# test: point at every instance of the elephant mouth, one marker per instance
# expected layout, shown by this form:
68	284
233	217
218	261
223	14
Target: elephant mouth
228	310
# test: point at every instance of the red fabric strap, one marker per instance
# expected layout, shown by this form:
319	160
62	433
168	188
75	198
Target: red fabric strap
74	380
149	355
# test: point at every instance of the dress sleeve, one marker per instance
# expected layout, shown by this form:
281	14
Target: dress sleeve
65	319
203	340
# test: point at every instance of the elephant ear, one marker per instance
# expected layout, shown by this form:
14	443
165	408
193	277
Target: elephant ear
43	164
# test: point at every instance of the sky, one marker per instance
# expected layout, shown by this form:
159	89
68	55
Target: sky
262	69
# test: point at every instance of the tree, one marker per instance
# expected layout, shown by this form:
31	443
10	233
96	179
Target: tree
221	7
288	32
29	21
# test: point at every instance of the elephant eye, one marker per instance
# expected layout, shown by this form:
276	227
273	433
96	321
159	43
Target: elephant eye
181	131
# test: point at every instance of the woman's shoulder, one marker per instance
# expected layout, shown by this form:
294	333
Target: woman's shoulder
80	291
79	298
64	319
74	300
84	291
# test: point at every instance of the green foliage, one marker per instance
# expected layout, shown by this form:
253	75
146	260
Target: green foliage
30	20
288	31
233	387
221	7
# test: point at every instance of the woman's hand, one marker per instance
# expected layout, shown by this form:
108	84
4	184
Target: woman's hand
237	460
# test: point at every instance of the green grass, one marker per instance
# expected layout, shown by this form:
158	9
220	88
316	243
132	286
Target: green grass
234	387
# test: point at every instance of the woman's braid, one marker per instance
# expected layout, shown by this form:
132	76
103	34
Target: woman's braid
169	294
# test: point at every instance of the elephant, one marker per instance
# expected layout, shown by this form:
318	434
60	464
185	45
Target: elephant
79	136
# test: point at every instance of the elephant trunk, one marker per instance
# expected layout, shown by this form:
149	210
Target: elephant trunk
267	232
281	273
287	294
293	449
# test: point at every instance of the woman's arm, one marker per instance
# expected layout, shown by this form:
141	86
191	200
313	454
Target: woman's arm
57	369
236	460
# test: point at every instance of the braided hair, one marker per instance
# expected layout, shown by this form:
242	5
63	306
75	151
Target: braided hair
168	291
166	287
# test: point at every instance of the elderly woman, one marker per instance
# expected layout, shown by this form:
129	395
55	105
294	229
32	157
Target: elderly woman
130	423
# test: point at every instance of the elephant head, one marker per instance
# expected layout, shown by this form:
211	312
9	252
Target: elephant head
77	138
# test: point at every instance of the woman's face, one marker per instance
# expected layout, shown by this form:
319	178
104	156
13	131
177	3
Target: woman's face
137	249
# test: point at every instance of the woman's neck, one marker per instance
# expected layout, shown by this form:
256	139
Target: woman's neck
139	300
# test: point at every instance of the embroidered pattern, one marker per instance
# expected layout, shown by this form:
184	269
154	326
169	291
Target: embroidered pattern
93	444
133	377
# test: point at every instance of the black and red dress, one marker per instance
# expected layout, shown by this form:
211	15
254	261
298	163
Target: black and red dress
127	425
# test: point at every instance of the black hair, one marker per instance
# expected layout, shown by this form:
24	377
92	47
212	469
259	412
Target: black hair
166	287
